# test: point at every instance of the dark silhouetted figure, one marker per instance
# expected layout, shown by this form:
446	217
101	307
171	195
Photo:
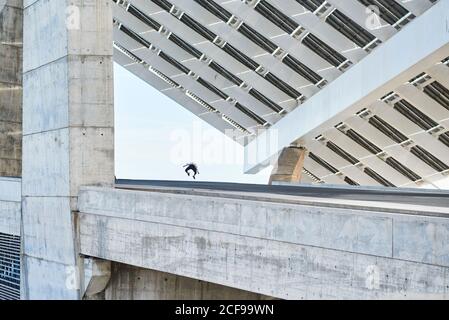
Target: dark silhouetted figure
193	167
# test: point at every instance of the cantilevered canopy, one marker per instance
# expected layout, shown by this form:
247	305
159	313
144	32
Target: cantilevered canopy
248	65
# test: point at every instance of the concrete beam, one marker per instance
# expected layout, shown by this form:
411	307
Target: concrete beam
11	13
418	47
283	250
289	165
67	134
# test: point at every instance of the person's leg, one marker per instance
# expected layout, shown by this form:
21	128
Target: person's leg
187	171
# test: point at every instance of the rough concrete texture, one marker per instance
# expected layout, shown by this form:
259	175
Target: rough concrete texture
10	87
288	167
10	206
97	274
280	250
132	283
67	133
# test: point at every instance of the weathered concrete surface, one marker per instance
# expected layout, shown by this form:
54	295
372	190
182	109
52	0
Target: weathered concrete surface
289	165
97	274
285	251
10	206
132	283
11	87
67	134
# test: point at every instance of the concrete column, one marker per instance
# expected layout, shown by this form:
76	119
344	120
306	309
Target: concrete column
67	134
10	87
289	165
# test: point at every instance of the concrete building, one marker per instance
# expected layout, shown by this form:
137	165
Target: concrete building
355	90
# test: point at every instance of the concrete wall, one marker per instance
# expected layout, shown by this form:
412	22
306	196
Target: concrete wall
290	251
67	133
10	87
132	283
10	206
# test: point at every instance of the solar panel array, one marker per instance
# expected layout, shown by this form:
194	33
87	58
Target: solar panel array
244	65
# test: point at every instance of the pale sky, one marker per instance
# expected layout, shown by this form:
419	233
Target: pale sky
154	138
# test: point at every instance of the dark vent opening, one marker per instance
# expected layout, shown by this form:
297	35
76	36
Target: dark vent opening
174	63
350	29
198	27
240	57
225	73
164	4
439	93
9	267
387	129
342	153
311	5
302	69
444	138
365	143
257	38
213	88
143	17
323	163
323	50
351	182
414	115
392	162
250	114
389	10
215	9
185	45
429	159
135	36
276	16
281	85
266	101
373	174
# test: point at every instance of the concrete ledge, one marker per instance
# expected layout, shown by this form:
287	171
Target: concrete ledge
10	189
279	250
10	205
273	268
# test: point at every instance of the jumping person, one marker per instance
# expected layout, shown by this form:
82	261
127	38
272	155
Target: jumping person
193	167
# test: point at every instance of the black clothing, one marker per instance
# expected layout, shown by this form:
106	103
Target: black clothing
194	168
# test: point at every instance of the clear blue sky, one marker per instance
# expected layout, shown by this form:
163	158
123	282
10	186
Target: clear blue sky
155	137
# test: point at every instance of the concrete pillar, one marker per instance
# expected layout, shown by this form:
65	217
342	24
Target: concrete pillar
97	274
67	134
289	165
10	87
